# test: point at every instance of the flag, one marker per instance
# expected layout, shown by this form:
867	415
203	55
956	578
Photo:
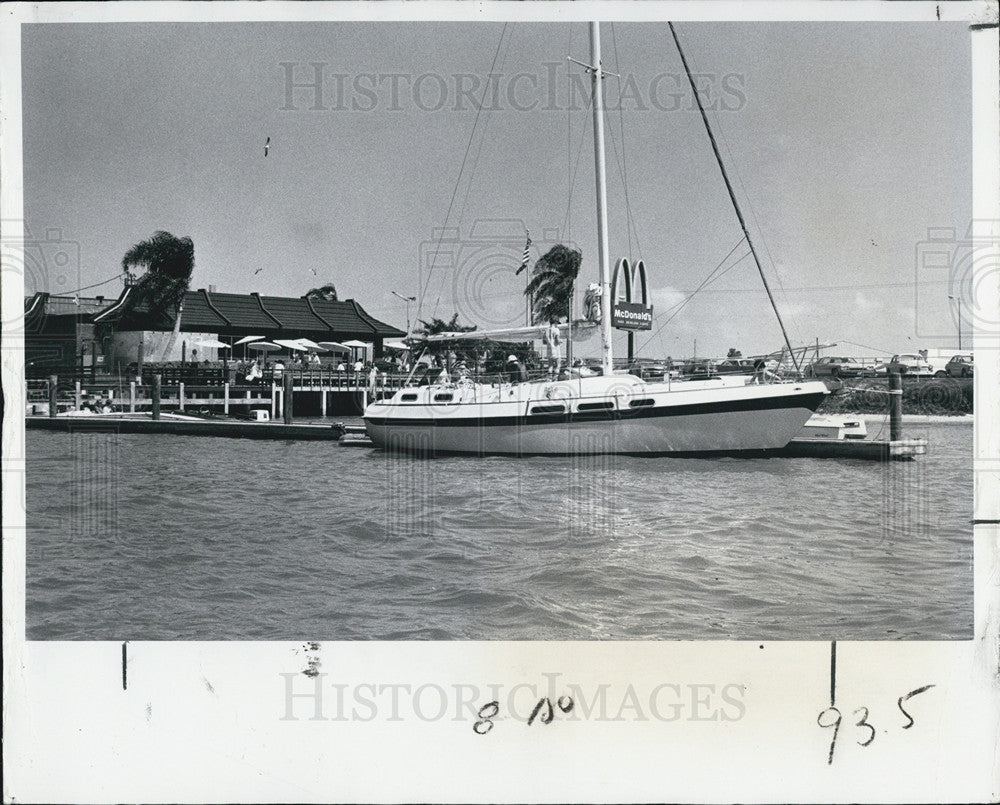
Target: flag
527	254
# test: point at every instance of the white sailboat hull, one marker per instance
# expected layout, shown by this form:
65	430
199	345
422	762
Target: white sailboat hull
642	419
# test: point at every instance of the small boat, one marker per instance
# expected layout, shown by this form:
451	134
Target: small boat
608	413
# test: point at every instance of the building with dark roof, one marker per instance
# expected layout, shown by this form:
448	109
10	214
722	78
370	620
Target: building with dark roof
60	329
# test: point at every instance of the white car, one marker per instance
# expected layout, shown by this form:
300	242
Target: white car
915	365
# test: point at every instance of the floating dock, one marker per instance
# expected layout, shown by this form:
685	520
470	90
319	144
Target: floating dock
185	426
870	449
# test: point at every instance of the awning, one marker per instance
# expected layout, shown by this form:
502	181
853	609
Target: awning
248	338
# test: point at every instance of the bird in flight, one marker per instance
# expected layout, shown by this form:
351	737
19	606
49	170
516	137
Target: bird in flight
267	145
255	273
313	270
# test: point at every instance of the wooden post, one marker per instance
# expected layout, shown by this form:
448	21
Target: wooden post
274	394
895	406
140	356
53	395
156	395
225	398
287	398
79	396
322	401
180	396
131	397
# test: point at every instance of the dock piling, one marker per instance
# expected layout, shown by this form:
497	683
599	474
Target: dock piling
180	396
79	396
157	379
53	395
274	394
287	398
895	407
225	398
131	397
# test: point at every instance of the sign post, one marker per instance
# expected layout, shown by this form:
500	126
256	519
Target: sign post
627	314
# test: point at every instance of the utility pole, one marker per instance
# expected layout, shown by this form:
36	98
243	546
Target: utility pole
406	299
958	300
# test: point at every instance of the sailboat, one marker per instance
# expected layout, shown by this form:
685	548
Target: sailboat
607	413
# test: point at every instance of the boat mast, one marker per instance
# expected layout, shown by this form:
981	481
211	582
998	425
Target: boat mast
732	197
596	76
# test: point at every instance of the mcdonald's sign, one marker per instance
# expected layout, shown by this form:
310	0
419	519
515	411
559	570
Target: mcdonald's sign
627	312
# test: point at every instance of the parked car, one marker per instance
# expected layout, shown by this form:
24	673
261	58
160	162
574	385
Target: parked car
649	369
736	366
915	365
835	367
958	366
698	369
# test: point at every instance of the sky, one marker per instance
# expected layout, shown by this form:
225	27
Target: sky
846	144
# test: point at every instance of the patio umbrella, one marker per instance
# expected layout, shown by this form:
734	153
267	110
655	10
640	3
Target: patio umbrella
312	345
212	343
248	338
356	344
395	343
289	344
335	346
263	346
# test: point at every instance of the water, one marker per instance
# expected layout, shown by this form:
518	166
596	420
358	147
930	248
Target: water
164	537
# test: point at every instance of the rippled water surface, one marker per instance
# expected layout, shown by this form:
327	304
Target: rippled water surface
169	537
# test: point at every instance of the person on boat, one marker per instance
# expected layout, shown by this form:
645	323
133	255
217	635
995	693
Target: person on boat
515	370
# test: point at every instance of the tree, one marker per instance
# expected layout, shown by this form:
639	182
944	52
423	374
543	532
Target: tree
462	349
490	355
551	286
169	263
326	292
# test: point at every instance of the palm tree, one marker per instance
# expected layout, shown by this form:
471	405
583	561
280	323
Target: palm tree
551	290
325	292
462	349
551	286
169	263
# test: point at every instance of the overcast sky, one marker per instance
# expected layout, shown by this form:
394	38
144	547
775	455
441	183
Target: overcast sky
846	143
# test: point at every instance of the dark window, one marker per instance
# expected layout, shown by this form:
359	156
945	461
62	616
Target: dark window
641	403
595	406
443	397
549	409
408	397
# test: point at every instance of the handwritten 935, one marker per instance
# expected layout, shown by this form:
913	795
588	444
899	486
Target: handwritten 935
833	718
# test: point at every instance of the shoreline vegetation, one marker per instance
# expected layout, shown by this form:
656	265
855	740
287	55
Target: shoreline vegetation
945	397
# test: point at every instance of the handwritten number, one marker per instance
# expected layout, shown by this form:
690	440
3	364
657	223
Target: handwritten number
911	694
565	703
486	713
836	728
864	723
546	716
